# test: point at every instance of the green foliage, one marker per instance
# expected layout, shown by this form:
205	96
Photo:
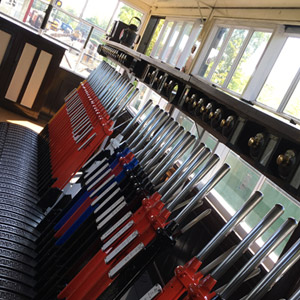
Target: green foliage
230	53
154	37
241	78
127	13
96	21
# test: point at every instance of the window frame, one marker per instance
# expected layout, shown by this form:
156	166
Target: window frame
197	26
232	25
264	66
282	39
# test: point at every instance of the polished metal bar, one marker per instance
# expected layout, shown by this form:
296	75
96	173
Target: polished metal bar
125	92
157	138
137	116
278	271
177	135
204	190
199	154
272	243
296	295
134	134
168	138
187	189
254	234
230	225
128	99
149	126
140	144
168	162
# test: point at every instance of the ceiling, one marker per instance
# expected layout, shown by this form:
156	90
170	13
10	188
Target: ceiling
222	3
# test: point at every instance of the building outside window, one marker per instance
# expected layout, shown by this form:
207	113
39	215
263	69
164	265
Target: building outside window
80	25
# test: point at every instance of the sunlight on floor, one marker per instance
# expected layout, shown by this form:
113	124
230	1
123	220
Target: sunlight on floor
27	124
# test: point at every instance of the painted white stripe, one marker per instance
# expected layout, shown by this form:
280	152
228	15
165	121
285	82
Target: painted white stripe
21	71
4	38
36	79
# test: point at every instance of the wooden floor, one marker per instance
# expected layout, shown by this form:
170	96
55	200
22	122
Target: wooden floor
8	116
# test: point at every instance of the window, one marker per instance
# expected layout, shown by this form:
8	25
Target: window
260	64
174	41
98	13
125	14
155	36
71	23
232	56
280	91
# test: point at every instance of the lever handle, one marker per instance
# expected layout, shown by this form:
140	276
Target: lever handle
205	189
286	228
281	267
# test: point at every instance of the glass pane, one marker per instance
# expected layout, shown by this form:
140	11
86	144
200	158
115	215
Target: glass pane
231	51
139	101
282	74
181	44
272	196
185	121
213	51
249	60
293	106
36	14
163	39
73	7
209	141
67	29
155	36
174	38
15	8
126	13
70	59
99	12
237	187
90	59
155	97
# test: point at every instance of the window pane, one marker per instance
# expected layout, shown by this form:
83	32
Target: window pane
272	196
209	140
90	58
231	51
181	44
14	8
249	61
293	106
155	36
126	13
171	45
214	51
163	39
282	74
139	101
36	14
238	186
67	29
185	121
73	7
99	12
